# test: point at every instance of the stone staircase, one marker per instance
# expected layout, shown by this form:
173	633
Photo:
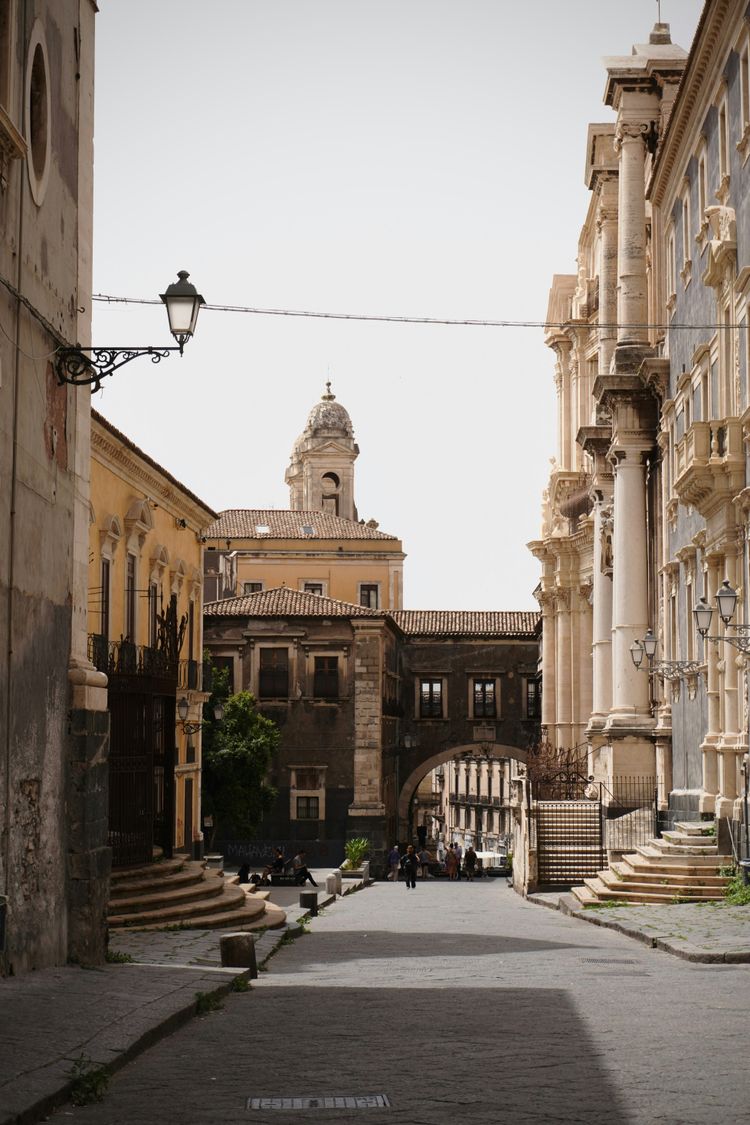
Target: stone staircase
183	893
682	866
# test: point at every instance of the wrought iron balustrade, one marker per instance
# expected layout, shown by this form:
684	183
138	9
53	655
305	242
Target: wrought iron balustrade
123	658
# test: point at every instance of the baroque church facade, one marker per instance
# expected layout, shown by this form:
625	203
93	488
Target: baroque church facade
646	517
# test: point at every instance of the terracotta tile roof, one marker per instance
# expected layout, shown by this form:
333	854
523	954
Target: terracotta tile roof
285	602
456	622
243	523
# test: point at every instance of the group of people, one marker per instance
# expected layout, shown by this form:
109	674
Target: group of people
278	866
411	862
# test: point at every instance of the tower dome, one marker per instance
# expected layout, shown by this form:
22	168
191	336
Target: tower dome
328	418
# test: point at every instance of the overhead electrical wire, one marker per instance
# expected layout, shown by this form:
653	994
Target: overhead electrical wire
468	323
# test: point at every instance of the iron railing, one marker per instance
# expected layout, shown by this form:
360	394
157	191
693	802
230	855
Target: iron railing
123	658
630	813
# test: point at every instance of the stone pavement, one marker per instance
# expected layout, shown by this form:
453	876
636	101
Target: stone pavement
109	1014
452	1003
711	932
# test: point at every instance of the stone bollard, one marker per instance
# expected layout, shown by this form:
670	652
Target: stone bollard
238	952
331	884
366	872
337	877
308	900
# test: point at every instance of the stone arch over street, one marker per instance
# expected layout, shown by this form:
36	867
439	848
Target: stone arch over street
417	770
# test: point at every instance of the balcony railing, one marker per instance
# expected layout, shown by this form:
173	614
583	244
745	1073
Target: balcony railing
123	658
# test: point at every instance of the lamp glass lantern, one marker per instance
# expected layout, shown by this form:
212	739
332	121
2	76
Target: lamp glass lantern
183	303
703	614
726	600
649	644
636	653
219	711
182	709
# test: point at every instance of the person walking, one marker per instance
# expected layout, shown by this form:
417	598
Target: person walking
470	863
459	853
409	865
424	862
394	862
451	863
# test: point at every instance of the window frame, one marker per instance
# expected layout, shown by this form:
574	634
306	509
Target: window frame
430	708
258	590
370	587
131	609
482	713
273	673
320	676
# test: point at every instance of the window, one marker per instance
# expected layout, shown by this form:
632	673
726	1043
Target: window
104	621
153	610
671	271
252	587
368	594
326	677
225	663
744	90
307	779
722	193
130	599
273	679
313	587
533	699
702	195
485	704
686	236
431	699
308	808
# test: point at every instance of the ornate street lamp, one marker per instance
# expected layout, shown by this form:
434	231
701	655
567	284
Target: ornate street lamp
192	728
668	669
726	604
85	366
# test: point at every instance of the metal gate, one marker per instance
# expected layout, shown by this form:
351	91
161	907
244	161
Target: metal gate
570	844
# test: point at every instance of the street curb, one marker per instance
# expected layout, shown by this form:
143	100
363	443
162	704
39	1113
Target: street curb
167	1026
569	905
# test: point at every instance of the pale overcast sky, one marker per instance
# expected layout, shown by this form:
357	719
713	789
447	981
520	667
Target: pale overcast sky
406	157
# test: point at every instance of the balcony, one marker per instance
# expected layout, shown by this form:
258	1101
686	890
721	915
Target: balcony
710	464
123	658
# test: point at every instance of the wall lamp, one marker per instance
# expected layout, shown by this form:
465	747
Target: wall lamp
726	604
84	366
192	728
668	669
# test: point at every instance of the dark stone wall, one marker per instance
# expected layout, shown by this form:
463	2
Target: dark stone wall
89	856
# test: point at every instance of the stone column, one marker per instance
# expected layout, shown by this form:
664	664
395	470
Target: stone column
630	685
548	662
367	810
601	639
708	746
631	241
607	227
563	671
585	647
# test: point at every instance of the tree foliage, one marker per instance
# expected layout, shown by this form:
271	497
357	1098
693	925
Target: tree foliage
237	753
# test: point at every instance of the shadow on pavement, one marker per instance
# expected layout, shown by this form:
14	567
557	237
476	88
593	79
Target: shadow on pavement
352	945
440	1056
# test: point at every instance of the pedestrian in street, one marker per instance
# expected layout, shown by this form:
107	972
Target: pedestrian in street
470	863
243	875
301	873
394	862
451	863
409	865
459	853
424	862
275	867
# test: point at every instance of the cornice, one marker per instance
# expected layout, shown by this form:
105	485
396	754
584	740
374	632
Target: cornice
128	466
713	39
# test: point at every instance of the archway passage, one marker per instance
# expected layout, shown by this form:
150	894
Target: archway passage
409	784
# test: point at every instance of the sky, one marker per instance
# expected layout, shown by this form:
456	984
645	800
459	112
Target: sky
401	157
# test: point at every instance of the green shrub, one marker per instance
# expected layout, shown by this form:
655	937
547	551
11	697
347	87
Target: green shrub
736	892
356	850
89	1082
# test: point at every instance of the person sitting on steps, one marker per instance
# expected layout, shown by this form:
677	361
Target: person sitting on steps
301	873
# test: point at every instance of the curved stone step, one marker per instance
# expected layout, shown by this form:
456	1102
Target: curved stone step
249	916
157	897
160	868
187	874
645	873
194	913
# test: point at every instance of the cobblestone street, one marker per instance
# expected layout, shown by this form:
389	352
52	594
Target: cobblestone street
454	1002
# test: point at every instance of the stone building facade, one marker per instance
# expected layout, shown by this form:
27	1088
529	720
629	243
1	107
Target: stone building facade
54	860
145	560
651	345
370	705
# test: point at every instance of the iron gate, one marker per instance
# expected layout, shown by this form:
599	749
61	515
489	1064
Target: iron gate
570	843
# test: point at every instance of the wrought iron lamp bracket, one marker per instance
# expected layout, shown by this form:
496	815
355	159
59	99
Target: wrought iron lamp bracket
85	366
191	728
740	640
674	669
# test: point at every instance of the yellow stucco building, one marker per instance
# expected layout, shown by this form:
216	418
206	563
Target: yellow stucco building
145	626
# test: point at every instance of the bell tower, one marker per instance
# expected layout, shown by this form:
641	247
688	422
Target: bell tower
321	470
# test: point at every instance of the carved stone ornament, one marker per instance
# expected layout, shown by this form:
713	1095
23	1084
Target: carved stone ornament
12	146
722	249
606	533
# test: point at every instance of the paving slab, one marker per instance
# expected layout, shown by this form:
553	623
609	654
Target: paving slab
110	1014
710	932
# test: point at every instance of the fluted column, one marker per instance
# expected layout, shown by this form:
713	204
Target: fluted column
630	686
708	747
607	226
563	671
548	662
631	240
601	640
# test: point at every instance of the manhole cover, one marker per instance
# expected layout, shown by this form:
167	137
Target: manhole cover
323	1101
607	961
